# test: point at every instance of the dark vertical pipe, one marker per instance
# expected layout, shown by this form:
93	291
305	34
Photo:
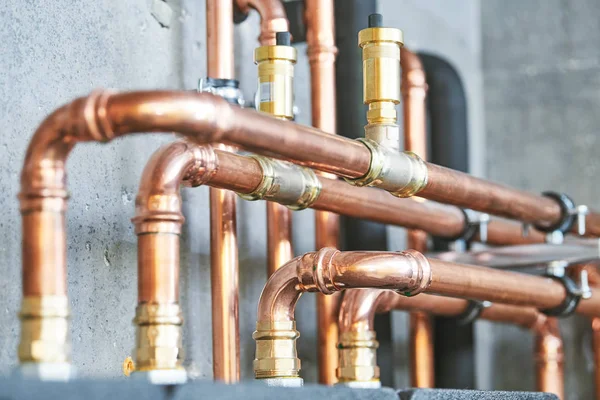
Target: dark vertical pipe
448	133
357	234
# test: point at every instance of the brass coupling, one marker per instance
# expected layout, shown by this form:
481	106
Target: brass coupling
285	183
276	355
158	337
357	357
402	174
45	336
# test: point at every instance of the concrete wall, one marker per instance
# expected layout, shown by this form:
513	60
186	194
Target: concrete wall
440	28
541	78
54	52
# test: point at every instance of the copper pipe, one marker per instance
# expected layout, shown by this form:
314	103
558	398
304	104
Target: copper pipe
272	18
596	347
414	92
322	51
279	233
223	235
410	273
549	358
358	309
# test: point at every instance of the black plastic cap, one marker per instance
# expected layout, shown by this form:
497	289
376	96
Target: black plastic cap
375	21
283	39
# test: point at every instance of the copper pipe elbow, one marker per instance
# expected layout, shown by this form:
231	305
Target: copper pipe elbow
273	18
326	271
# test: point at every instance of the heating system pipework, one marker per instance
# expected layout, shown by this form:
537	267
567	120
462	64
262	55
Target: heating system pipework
537	263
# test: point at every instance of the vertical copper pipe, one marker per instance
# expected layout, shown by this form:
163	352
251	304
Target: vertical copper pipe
549	358
279	236
223	235
596	346
414	91
321	50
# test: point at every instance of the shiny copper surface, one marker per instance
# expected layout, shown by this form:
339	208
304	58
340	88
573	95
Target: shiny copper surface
321	51
358	309
549	357
279	236
272	18
414	91
596	347
223	235
453	187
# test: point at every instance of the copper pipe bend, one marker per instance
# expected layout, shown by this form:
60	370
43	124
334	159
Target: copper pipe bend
273	18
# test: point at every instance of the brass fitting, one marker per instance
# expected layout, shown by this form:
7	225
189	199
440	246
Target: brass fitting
275	93
158	337
285	183
45	336
357	353
402	174
381	80
276	355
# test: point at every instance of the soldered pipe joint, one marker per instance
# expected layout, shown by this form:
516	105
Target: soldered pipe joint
402	174
357	360
285	183
158	337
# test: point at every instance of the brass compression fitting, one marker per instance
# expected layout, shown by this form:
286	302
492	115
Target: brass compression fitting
381	80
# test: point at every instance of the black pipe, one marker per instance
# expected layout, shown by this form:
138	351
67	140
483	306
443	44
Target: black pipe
448	133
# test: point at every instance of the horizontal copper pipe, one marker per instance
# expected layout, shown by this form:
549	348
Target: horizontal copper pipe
272	18
209	119
409	273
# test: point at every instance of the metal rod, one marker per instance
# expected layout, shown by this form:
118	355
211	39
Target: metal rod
322	51
223	234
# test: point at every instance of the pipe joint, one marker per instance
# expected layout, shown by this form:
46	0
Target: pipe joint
285	183
402	174
276	355
45	334
158	338
357	353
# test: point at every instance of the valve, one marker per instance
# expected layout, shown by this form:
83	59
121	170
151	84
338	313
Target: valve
381	80
275	93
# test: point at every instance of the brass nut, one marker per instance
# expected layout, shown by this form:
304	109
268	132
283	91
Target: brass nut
357	352
402	174
158	337
285	183
45	336
382	115
276	355
379	34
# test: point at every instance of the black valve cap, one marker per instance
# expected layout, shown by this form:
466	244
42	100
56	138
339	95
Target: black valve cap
282	39
375	21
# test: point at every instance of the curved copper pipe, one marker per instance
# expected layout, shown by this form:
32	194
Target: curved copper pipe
321	51
410	273
272	18
414	92
357	314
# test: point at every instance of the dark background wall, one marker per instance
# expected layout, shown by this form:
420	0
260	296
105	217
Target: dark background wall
541	72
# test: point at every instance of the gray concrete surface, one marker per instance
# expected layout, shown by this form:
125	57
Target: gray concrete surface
541	80
55	51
